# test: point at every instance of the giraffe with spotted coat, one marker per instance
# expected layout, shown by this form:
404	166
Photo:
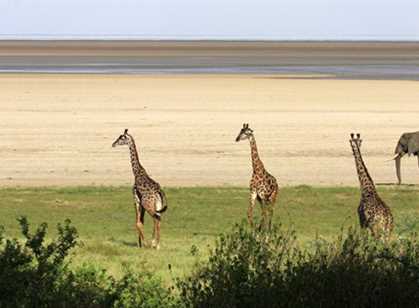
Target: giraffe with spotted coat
148	195
263	186
373	212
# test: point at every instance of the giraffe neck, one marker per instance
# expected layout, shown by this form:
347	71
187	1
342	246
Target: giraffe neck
137	169
256	161
365	181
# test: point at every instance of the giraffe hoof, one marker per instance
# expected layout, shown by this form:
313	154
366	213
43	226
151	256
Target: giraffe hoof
155	244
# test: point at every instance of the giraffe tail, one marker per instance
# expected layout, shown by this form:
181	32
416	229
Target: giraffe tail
164	203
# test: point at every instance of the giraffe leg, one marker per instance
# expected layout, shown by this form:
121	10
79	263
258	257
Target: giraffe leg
153	241
149	206
265	217
139	219
270	210
253	196
140	227
156	233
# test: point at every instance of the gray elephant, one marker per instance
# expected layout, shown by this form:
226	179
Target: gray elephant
408	144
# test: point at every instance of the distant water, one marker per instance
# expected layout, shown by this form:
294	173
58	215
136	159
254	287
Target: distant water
333	71
333	60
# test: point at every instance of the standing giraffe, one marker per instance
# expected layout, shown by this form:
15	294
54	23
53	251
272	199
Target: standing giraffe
373	213
148	195
263	186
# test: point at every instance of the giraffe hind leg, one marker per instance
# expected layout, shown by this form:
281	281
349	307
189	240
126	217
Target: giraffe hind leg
270	210
157	221
149	205
156	234
265	216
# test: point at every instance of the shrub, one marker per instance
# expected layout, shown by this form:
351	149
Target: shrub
29	271
36	274
251	268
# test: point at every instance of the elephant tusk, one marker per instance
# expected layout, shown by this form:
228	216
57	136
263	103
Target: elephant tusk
394	157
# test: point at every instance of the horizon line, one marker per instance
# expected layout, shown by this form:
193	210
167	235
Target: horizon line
209	40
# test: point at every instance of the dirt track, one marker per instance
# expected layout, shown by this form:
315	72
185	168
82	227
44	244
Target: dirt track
58	129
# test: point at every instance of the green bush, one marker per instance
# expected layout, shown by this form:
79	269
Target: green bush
251	268
247	268
36	274
29	271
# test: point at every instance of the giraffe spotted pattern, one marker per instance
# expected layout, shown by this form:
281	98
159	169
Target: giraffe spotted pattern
263	185
373	213
148	195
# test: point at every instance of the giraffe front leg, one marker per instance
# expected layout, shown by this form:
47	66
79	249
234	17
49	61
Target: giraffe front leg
139	218
253	196
140	226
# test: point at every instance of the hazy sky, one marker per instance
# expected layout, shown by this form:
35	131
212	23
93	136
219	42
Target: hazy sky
201	19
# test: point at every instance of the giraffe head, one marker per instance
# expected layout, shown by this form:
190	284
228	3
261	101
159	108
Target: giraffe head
122	139
245	133
356	140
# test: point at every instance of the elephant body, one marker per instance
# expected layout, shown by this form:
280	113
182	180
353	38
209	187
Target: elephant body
407	144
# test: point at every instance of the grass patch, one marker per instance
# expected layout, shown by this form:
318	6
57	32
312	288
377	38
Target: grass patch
104	217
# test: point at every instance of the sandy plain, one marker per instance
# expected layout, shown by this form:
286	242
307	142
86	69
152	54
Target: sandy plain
58	129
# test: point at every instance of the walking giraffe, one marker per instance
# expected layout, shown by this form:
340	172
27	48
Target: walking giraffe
148	195
373	213
263	186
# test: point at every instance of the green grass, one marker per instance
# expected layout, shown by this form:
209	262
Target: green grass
104	217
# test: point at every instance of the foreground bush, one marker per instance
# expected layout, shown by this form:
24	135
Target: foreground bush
247	268
36	274
255	269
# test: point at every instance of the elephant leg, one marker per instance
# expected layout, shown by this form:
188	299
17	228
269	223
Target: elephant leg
398	165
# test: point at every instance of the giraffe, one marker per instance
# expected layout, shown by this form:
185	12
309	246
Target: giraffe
148	195
373	213
263	186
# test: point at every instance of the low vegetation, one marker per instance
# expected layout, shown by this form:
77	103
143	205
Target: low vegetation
105	219
301	263
36	273
247	268
256	269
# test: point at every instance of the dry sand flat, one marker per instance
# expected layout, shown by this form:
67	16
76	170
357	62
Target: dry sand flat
58	129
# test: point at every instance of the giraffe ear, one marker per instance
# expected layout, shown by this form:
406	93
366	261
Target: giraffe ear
352	135
125	131
358	136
